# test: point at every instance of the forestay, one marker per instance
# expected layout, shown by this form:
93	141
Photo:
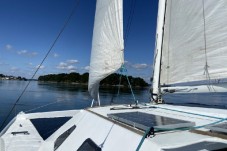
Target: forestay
107	43
195	41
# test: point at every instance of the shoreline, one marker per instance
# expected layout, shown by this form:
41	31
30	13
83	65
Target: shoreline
86	84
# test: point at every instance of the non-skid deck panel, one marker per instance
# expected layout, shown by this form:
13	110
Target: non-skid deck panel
47	126
144	121
222	127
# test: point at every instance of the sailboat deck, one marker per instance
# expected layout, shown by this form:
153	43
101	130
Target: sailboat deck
201	116
110	134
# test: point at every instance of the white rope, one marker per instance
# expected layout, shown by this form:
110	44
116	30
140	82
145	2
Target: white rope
44	105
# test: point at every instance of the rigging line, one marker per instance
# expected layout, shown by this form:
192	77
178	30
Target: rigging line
130	86
48	52
118	91
143	138
133	5
124	70
118	88
129	18
146	133
206	71
44	105
128	27
102	145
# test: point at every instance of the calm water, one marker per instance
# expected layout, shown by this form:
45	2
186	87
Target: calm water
51	97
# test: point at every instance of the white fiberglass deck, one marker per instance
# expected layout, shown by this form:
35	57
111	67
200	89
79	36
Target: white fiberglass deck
109	134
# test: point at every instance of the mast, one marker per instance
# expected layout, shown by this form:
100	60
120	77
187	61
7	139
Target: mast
156	93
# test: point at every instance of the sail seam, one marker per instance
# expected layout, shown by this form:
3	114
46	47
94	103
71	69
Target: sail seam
205	43
169	40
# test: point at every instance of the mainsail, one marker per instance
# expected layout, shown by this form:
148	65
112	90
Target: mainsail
195	41
107	44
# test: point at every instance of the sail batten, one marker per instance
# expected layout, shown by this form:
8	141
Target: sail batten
195	41
107	43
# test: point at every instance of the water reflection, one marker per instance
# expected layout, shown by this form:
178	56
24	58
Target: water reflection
69	97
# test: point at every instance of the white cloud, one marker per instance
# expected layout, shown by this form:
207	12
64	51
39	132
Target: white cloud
3	63
27	53
71	67
72	61
68	65
62	65
72	70
87	68
14	69
55	55
137	66
40	67
140	66
65	66
33	54
127	63
8	47
22	52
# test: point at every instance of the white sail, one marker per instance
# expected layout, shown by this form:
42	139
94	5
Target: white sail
107	43
195	41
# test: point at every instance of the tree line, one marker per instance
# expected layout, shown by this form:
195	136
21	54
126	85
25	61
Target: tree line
6	77
111	80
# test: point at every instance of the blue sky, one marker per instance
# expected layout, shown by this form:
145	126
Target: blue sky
29	27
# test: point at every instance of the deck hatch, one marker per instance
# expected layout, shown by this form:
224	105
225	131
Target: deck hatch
89	145
63	137
47	126
222	127
143	121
